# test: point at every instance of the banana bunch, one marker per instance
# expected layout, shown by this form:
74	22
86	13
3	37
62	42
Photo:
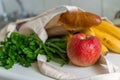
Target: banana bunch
92	32
109	35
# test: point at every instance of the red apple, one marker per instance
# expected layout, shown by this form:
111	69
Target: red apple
83	49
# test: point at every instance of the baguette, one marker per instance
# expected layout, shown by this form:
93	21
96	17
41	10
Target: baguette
77	20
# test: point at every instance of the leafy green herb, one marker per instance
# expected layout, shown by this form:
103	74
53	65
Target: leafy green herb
22	49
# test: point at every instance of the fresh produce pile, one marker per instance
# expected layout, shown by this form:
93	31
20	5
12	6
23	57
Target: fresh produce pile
22	49
79	37
88	23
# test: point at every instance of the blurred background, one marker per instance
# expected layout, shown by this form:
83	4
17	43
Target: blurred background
10	10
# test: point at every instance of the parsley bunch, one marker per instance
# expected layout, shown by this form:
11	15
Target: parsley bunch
22	49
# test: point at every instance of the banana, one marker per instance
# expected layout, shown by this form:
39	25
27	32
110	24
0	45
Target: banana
91	32
111	42
109	28
104	50
88	31
69	36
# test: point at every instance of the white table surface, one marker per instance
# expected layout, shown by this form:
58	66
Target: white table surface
32	73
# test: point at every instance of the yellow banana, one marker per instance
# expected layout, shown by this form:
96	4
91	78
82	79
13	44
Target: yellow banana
109	28
88	31
111	42
91	32
68	36
104	49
